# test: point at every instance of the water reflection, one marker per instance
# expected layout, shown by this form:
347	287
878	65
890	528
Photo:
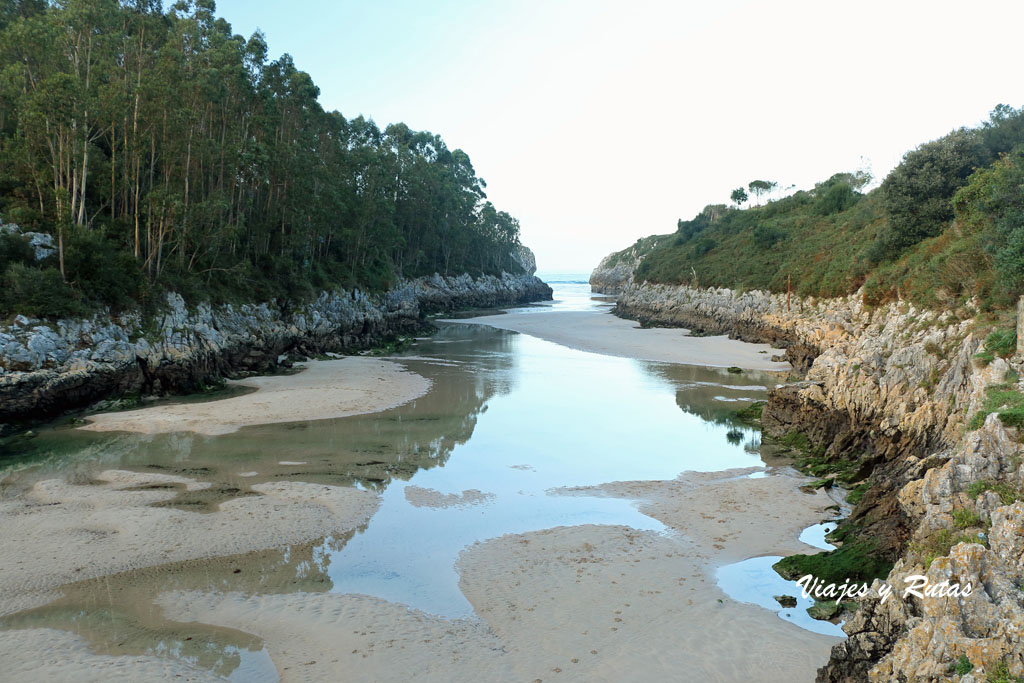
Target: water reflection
574	419
117	616
368	451
508	415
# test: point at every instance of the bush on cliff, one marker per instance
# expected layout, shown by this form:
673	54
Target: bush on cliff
946	225
37	292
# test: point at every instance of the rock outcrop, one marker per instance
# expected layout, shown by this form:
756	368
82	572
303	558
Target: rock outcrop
48	368
41	243
904	372
957	514
616	270
890	390
525	258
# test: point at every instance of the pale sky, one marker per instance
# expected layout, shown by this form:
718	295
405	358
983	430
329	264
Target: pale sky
596	123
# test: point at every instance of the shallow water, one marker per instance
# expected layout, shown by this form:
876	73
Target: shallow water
755	581
510	416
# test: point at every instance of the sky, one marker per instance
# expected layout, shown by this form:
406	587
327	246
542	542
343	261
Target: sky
597	123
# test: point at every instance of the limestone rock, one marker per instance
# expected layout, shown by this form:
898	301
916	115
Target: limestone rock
45	369
893	387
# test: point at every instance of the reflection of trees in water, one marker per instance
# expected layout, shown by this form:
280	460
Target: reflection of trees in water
116	614
369	450
715	394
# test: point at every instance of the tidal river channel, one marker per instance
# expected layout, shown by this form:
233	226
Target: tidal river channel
510	422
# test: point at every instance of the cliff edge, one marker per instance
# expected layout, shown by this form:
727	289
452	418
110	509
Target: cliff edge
615	270
906	407
47	368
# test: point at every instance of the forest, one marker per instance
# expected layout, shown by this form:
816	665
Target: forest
945	227
160	151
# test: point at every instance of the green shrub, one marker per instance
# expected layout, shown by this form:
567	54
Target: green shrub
963	666
1002	342
102	270
765	236
15	249
836	199
1007	493
1005	400
918	193
1000	673
702	246
964	518
39	293
939	544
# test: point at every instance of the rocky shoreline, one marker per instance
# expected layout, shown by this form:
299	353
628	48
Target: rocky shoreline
886	395
47	369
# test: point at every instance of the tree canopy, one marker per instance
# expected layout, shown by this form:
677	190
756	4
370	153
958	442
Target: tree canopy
945	227
179	155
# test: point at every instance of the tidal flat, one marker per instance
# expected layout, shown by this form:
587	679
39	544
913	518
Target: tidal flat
525	510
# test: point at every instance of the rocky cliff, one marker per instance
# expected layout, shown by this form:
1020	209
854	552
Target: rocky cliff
969	523
883	403
616	270
48	368
525	258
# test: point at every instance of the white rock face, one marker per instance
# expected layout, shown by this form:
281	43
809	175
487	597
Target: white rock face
525	258
46	366
907	369
987	626
615	271
42	243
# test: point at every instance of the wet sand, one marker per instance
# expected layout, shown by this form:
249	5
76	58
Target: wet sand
43	654
576	603
58	533
600	332
580	603
323	390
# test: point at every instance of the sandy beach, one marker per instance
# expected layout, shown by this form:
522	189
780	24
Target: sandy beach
590	602
601	332
59	532
580	603
322	390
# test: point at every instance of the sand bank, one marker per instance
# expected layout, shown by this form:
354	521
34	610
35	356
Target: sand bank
600	332
323	390
59	533
432	498
581	603
726	514
54	656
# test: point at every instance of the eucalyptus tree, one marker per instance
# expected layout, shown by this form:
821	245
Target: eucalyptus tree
163	136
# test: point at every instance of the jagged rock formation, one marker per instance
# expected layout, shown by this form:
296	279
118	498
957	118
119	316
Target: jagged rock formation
906	372
891	388
525	258
42	244
616	270
922	639
46	368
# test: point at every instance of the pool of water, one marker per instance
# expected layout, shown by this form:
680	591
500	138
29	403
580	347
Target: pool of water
510	416
754	581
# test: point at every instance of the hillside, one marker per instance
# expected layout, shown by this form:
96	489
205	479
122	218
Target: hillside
946	225
144	151
616	269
